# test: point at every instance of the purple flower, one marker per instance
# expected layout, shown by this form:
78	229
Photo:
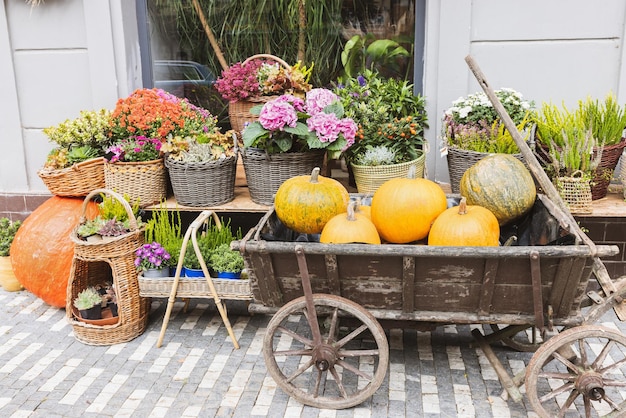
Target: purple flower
151	255
277	114
361	80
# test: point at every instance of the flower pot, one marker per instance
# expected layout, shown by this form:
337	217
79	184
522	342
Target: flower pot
95	312
575	192
8	281
370	178
162	272
228	275
266	172
113	307
189	272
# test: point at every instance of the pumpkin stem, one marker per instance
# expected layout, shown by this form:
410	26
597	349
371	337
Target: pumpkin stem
463	206
315	174
351	210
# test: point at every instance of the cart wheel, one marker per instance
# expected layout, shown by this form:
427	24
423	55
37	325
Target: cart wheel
526	339
555	382
344	369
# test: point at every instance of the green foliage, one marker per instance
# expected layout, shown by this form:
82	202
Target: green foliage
82	153
208	241
112	208
226	260
607	120
365	52
378	155
8	229
87	298
165	227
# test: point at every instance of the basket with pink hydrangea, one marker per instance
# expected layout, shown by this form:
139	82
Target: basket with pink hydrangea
291	137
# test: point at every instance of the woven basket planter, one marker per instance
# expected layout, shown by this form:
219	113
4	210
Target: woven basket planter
604	173
145	180
576	193
239	111
75	181
459	160
108	261
199	184
266	172
194	287
369	178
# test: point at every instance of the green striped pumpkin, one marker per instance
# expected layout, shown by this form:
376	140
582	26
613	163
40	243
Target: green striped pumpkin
500	183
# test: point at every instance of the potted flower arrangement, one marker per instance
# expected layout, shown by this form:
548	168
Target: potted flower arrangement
291	137
256	80
212	238
165	227
227	263
472	129
203	169
111	222
75	166
8	229
89	303
152	260
140	124
389	115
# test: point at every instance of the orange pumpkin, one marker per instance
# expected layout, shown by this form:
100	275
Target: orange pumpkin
465	225
348	228
403	209
306	203
42	251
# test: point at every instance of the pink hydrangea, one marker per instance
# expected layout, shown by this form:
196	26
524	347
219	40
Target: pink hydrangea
277	114
318	99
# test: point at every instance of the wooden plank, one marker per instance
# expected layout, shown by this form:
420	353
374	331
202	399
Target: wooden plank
561	282
488	285
269	292
332	274
570	291
408	284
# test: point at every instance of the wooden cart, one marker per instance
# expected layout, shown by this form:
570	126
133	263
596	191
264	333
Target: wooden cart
325	346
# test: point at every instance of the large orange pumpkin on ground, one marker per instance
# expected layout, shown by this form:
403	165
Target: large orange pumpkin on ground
42	250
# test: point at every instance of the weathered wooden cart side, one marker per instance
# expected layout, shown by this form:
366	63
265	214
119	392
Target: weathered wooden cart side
512	285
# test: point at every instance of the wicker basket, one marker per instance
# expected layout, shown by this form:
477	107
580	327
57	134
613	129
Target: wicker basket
459	160
239	111
266	172
144	180
111	247
113	261
576	192
203	183
194	287
370	178
75	181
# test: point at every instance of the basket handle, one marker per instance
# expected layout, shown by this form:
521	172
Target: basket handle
129	211
269	57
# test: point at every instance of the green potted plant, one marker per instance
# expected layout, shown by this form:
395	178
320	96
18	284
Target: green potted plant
89	303
75	166
208	241
226	262
112	220
8	229
165	227
472	130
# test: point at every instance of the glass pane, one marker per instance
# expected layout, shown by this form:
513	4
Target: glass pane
186	62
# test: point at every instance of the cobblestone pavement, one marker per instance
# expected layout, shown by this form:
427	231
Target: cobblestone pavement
46	372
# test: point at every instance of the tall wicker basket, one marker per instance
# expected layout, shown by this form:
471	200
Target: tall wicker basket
95	263
239	111
266	172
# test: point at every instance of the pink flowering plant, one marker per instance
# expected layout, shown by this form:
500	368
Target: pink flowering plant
135	149
292	124
151	256
254	78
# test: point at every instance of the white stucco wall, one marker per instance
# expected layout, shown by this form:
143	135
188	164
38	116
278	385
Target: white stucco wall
67	55
56	59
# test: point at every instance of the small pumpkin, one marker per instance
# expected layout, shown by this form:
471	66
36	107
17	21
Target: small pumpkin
465	225
42	251
349	228
403	209
363	209
306	203
502	184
